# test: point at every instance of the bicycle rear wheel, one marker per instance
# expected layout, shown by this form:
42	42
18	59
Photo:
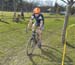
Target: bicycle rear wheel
31	46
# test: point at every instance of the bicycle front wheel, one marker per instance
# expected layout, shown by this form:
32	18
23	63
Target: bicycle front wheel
31	46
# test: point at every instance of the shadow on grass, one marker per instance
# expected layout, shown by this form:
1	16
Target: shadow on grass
31	59
56	56
3	21
68	44
52	55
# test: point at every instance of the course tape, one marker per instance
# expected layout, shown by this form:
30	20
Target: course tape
64	50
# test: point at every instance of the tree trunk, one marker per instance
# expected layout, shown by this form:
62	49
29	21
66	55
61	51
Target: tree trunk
14	16
65	22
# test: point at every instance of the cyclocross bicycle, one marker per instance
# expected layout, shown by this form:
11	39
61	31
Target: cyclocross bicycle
33	41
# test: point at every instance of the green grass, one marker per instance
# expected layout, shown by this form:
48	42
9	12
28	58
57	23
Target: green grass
13	41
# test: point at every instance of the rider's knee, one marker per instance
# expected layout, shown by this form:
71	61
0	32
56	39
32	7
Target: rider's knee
40	32
33	26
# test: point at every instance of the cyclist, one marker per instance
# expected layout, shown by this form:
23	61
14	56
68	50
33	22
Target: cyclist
38	24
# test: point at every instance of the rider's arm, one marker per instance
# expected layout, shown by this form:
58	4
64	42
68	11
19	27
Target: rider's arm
41	23
30	22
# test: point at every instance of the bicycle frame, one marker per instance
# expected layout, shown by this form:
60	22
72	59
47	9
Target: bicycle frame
32	43
35	36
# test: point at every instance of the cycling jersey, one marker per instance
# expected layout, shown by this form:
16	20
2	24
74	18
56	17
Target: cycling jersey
38	19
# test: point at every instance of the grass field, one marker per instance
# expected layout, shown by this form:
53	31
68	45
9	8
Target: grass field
13	41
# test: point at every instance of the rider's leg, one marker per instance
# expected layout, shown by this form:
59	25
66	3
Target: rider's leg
40	37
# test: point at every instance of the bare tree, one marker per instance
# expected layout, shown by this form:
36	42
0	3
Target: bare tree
14	5
57	7
68	8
